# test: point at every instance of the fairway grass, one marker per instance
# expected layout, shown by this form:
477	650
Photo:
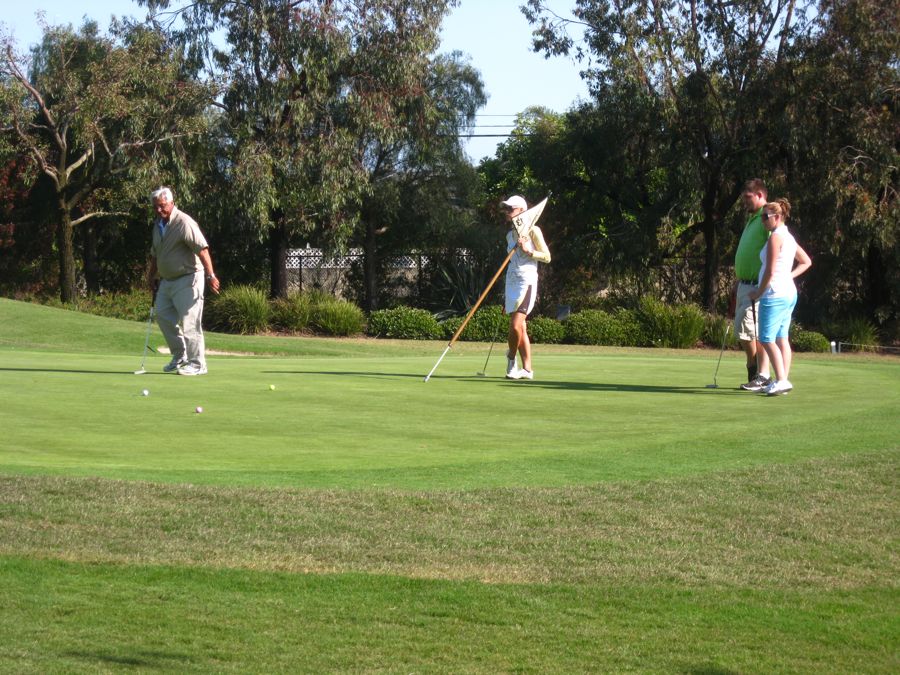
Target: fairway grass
614	515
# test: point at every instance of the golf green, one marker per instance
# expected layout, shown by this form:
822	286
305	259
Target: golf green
364	421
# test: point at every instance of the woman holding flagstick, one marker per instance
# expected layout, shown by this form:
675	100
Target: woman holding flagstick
521	287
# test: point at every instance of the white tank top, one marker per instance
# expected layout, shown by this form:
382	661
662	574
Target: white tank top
782	284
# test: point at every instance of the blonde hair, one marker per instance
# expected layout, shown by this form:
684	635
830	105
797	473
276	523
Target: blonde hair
780	206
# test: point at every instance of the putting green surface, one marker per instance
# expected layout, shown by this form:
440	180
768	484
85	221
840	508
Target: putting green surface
372	421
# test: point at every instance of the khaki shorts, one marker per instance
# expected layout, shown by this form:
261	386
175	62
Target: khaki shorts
744	327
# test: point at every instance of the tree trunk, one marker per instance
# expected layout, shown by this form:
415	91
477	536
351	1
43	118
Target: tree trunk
710	263
66	251
278	250
89	257
370	268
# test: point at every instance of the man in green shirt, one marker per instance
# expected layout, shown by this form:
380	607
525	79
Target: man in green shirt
747	265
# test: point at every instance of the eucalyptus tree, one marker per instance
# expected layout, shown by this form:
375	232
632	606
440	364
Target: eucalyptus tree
837	128
419	180
90	111
313	90
706	67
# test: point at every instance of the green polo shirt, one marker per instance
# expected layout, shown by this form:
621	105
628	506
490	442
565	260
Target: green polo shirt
747	263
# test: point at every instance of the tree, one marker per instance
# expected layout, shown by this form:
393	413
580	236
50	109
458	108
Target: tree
90	113
417	178
836	132
314	90
706	65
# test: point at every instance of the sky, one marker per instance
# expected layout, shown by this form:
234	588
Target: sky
493	33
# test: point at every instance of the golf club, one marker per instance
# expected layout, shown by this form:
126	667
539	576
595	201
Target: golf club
141	370
714	384
756	333
483	372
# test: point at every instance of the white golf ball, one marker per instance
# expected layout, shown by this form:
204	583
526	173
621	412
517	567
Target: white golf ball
198	409
146	392
272	387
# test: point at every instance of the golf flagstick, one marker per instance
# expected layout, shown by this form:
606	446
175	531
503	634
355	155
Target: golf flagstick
523	223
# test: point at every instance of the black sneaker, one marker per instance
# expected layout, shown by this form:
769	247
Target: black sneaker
173	365
758	383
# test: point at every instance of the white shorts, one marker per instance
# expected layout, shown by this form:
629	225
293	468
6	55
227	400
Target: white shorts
520	296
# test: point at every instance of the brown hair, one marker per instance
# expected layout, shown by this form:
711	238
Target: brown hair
780	206
756	185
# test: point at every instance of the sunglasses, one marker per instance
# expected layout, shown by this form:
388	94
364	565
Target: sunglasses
766	216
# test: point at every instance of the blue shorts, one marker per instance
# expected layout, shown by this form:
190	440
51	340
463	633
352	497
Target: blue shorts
775	317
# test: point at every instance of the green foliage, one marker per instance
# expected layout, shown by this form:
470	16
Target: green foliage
238	309
338	318
859	333
714	329
293	313
451	325
488	323
678	326
809	341
594	327
544	330
404	323
131	306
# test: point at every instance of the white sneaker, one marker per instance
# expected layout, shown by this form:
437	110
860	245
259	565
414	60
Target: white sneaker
513	374
510	364
526	374
192	369
778	388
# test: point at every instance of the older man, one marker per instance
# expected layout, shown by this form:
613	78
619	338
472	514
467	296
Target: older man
179	255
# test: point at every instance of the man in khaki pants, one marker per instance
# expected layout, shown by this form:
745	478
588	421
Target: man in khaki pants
179	255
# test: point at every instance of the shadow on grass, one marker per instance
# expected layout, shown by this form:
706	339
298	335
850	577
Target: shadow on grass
141	658
78	371
545	384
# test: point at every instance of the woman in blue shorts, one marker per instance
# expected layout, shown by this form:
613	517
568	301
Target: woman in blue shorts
777	292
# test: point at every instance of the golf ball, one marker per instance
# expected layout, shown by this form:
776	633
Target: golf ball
198	409
146	392
272	387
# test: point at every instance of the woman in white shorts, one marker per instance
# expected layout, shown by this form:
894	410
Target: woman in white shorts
777	293
521	288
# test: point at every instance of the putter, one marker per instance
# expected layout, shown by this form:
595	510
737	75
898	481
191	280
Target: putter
714	384
141	370
483	372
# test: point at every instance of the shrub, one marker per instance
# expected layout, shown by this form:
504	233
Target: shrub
336	317
544	330
238	309
450	326
630	327
133	305
593	327
714	328
293	313
487	324
666	326
860	333
809	341
405	323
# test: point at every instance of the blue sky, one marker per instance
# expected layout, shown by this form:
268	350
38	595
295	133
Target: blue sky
492	32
